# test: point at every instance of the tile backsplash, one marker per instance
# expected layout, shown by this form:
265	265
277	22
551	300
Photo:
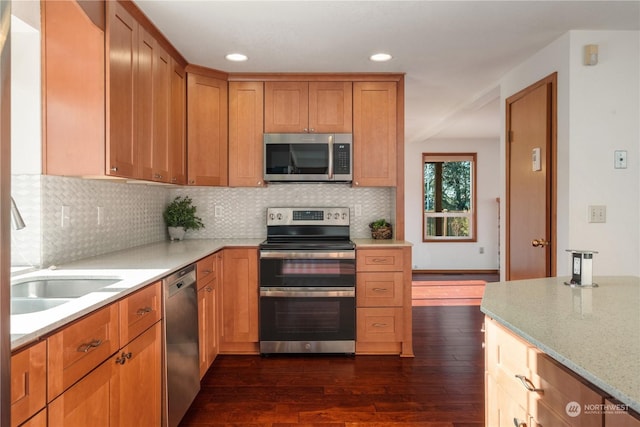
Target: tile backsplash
106	216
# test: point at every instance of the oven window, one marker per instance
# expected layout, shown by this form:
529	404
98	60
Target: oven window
307	272
297	159
308	319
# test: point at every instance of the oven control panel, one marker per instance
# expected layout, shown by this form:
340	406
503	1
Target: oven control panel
307	216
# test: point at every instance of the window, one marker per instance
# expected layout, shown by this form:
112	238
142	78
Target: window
449	197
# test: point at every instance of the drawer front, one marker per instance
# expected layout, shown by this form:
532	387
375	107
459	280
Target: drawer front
28	382
206	270
379	289
80	347
379	324
379	259
617	418
562	386
139	311
505	350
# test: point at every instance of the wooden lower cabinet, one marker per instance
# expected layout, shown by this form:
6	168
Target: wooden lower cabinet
28	382
383	301
208	312
123	390
525	387
239	322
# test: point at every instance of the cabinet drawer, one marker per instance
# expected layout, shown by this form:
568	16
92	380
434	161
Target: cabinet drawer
379	289
379	259
562	386
28	382
38	420
505	350
206	270
613	417
139	311
379	324
80	347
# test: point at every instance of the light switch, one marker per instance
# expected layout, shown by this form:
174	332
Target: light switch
598	213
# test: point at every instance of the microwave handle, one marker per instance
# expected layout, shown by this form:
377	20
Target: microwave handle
330	147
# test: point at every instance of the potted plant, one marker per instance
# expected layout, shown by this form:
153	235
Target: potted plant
180	216
381	229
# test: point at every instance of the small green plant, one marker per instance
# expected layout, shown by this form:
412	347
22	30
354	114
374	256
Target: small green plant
381	223
182	213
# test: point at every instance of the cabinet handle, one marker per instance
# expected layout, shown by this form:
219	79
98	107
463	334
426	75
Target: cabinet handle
207	272
312	130
526	382
482	329
143	311
123	358
305	130
518	423
380	289
378	260
114	169
157	176
208	289
174	179
379	325
191	181
84	348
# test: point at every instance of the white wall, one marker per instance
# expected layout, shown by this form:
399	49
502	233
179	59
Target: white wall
455	256
598	111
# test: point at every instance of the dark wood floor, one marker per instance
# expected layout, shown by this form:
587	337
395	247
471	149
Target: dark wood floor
441	387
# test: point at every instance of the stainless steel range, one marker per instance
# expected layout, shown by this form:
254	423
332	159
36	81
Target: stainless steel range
307	282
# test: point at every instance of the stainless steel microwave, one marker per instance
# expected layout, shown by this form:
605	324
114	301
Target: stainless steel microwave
311	157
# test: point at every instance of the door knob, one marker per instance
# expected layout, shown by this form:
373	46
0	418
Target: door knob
539	243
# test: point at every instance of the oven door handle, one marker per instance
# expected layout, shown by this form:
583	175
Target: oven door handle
308	254
298	292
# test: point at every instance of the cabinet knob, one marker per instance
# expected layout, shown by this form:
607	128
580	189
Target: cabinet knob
157	176
518	423
174	180
191	181
114	169
312	130
305	130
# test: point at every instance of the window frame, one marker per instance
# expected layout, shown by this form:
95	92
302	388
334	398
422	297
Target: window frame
473	212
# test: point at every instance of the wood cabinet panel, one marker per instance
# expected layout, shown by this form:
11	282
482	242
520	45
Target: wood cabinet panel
136	382
240	301
122	71
73	78
331	107
206	130
38	420
86	403
28	382
78	348
206	270
286	107
380	260
177	118
374	134
613	418
375	289
246	117
139	311
161	147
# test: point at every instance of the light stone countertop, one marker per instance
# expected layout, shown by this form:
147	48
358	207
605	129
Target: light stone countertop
135	267
595	332
372	243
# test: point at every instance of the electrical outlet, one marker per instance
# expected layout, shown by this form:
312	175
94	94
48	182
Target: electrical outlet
598	213
357	210
65	214
217	211
100	215
481	250
620	159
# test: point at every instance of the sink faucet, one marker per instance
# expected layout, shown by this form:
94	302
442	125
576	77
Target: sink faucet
16	218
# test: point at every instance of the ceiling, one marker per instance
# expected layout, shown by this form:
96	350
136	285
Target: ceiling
453	52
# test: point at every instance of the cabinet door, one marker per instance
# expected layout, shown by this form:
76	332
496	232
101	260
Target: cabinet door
122	46
162	70
177	119
208	327
86	403
330	107
374	134
73	79
136	385
144	104
240	300
28	382
286	107
246	118
206	130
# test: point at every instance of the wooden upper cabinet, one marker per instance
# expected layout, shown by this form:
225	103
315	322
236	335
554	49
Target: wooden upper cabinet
374	134
73	76
122	70
245	134
315	107
206	130
177	126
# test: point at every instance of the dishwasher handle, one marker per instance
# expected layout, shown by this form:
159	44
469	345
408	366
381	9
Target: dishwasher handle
180	281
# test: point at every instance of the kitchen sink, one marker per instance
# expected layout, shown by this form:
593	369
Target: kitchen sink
32	305
58	287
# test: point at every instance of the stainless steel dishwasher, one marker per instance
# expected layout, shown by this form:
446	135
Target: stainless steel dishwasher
182	369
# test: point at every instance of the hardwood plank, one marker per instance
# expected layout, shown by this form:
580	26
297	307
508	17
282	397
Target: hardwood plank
442	386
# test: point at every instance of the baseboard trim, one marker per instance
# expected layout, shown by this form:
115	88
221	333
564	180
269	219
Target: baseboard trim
455	272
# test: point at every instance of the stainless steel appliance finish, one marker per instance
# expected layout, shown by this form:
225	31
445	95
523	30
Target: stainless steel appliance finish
181	341
307	282
311	157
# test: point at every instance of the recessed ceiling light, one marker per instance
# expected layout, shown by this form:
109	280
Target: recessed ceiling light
380	57
236	57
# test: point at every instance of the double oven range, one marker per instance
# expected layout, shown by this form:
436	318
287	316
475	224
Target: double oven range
307	282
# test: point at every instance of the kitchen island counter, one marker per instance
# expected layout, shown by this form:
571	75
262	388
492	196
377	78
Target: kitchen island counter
595	332
133	268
